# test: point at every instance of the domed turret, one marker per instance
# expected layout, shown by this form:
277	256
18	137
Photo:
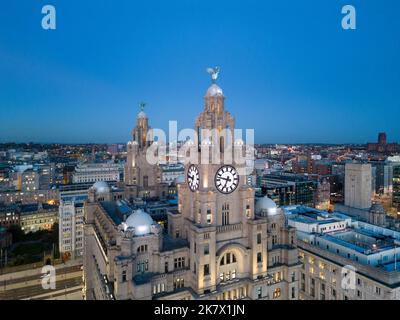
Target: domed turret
140	221
101	187
265	204
214	91
141	115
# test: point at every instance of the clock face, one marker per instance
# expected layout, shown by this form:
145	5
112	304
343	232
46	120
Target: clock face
226	179
193	178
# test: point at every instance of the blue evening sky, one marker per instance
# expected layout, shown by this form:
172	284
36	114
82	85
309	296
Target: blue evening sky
288	68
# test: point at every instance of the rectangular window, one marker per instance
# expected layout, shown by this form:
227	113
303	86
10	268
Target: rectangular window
259	292
259	257
206	269
209	216
258	238
206	249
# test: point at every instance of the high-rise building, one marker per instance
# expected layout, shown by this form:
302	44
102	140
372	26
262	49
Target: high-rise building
70	219
288	188
221	243
47	176
358	177
142	179
396	187
383	177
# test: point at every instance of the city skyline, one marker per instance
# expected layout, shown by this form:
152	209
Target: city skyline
301	79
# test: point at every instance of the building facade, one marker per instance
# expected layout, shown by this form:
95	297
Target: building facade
35	217
71	220
357	185
93	172
396	187
345	259
220	243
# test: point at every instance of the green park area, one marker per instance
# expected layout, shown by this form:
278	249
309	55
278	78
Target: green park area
32	247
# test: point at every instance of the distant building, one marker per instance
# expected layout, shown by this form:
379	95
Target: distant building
47	176
93	172
396	187
382	146
67	174
288	189
383	177
35	217
12	196
112	149
9	215
358	177
30	180
323	195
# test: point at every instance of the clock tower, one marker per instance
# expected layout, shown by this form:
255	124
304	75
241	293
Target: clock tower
216	206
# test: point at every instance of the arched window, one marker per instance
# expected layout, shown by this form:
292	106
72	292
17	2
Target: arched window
228	258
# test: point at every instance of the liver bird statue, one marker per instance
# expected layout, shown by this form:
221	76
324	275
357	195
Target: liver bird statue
214	72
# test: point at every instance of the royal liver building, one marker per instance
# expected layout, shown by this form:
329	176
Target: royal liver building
221	243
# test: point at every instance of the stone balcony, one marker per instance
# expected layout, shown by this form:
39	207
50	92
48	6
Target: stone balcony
229	228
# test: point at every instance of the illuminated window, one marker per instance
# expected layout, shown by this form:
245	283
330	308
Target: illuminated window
277	293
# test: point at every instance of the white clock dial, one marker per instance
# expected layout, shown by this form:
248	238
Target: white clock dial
226	179
193	178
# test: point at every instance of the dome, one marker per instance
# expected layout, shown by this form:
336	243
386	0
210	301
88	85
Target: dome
139	220
101	187
214	91
141	115
266	204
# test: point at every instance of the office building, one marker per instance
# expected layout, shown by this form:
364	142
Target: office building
343	258
358	179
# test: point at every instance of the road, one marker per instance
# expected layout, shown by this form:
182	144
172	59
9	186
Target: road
62	286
